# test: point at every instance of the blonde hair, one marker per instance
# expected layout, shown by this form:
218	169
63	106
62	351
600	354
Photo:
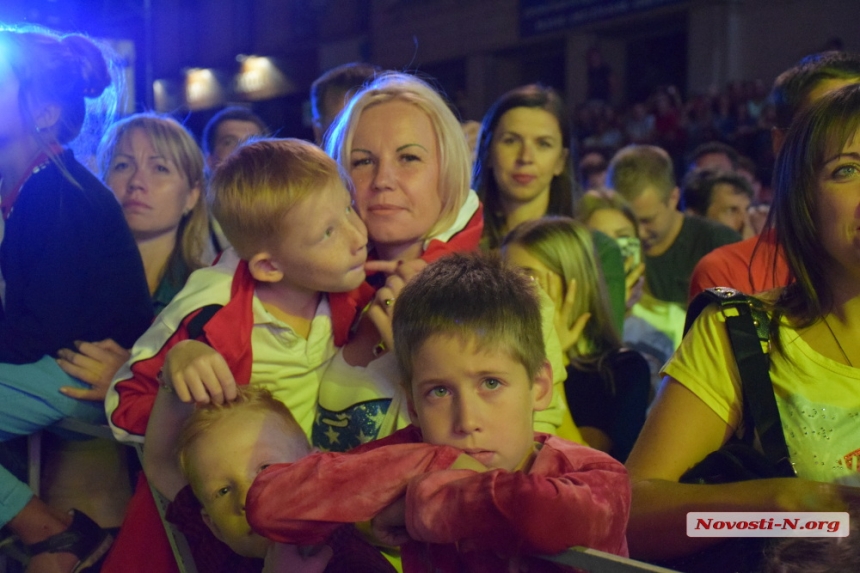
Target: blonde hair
173	142
248	398
454	154
565	247
256	186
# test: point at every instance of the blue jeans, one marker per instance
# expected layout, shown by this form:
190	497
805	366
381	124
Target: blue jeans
30	400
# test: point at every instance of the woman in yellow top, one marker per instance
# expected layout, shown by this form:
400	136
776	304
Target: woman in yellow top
814	356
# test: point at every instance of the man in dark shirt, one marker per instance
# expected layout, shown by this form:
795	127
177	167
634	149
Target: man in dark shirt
672	242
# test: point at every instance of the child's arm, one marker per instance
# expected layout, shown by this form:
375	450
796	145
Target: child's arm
560	503
306	501
160	462
132	393
556	418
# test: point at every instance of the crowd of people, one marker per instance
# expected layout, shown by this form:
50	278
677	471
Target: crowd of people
398	348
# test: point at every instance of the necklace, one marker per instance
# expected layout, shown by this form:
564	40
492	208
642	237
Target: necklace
842	350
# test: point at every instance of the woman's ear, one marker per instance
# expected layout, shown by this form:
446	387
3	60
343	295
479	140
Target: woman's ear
542	387
264	269
46	116
562	160
193	198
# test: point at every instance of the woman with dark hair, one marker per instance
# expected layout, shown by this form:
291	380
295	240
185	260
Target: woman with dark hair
70	266
523	172
813	353
523	169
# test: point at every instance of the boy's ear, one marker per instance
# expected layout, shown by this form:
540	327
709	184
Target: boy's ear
211	525
542	387
264	269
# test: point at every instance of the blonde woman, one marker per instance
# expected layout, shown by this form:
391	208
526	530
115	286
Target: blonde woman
155	169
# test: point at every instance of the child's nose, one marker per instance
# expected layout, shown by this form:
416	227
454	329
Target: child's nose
241	497
359	233
467	416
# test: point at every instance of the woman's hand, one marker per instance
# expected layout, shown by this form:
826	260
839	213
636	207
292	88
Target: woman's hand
94	363
198	373
382	309
568	332
795	494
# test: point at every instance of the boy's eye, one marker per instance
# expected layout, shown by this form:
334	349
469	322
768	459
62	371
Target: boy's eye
222	492
492	383
439	392
329	232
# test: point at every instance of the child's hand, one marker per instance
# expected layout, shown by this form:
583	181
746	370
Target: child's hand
564	305
634	280
399	274
283	558
389	525
198	373
94	363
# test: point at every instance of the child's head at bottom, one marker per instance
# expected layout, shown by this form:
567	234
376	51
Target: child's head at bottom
469	344
221	450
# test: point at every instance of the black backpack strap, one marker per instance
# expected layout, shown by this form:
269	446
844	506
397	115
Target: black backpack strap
748	328
196	324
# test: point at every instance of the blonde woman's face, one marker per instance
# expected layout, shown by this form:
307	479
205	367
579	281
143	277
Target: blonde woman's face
152	189
394	166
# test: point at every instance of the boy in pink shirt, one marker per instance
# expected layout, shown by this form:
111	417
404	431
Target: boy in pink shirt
470	486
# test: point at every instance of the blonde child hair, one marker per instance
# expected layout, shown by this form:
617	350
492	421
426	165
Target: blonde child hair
248	398
255	187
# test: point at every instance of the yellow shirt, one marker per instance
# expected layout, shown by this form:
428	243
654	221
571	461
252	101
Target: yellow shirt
818	398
